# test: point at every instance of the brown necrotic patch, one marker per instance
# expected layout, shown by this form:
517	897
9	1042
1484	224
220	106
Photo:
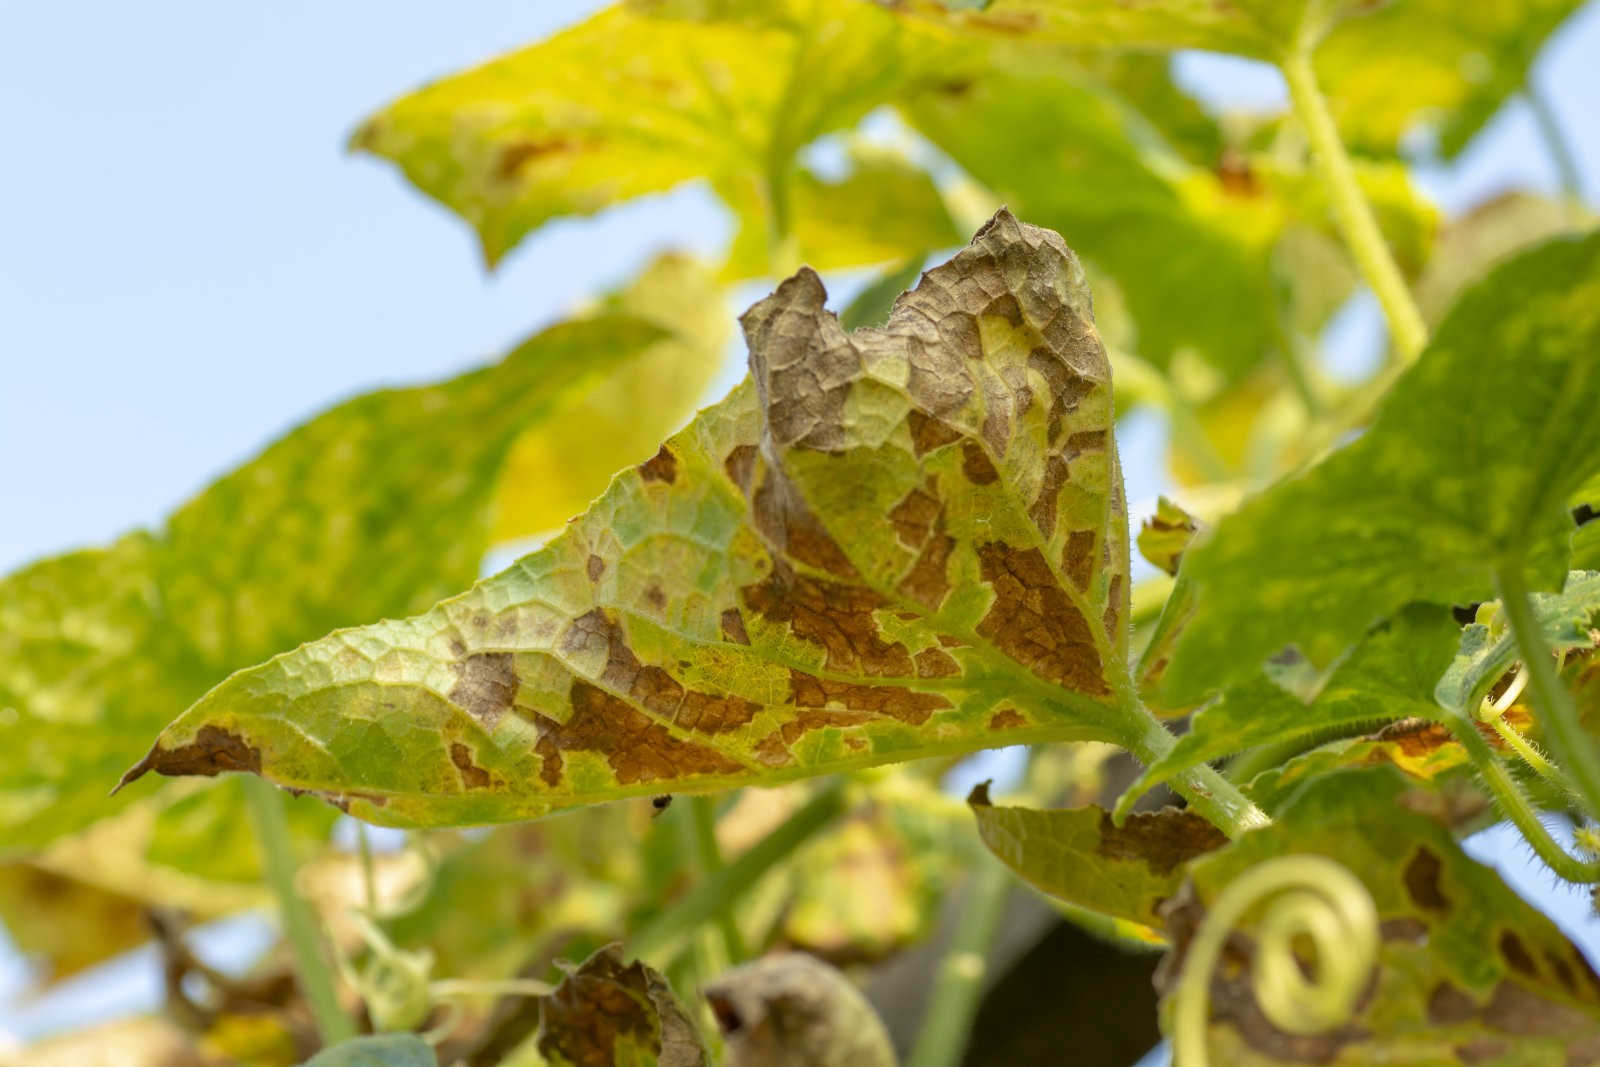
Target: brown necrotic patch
929	433
832	615
896	702
773	749
213	751
1033	621
732	624
1421	875
740	465
472	775
486	686
936	663
1516	955
662	467
976	465
652	687
1161	840
785	520
914	516
1007	719
637	748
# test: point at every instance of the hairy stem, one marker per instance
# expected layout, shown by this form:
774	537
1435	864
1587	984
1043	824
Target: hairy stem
942	1038
708	857
1215	798
722	891
1555	142
1516	806
1356	221
1571	745
299	923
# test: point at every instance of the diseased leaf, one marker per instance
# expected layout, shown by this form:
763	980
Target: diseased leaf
1390	675
625	104
895	543
384	1050
349	517
1164	536
1423	750
1470	246
1466	970
1079	856
793	1010
1468	466
609	1012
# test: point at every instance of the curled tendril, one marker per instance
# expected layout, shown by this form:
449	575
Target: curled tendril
1306	897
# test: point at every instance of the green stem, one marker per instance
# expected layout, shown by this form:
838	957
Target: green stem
719	893
708	857
958	987
299	922
1555	142
1516	806
1558	719
1218	800
1356	220
1528	753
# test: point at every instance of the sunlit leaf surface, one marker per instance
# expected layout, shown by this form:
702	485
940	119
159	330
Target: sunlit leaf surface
893	543
1468	466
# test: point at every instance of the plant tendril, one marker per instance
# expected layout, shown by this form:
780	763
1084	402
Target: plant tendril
1307	898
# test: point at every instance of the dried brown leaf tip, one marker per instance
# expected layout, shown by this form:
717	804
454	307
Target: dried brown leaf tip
1164	536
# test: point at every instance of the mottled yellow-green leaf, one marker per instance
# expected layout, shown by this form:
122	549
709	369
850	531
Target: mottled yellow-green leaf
1079	856
1468	466
1164	535
625	104
374	508
610	1012
566	459
884	209
1466	970
900	542
1437	65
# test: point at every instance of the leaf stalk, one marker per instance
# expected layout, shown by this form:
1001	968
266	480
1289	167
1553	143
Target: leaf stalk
958	987
299	922
1357	222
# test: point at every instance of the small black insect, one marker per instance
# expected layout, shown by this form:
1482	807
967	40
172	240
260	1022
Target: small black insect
661	802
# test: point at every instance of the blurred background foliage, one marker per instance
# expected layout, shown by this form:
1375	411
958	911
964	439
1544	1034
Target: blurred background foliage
865	142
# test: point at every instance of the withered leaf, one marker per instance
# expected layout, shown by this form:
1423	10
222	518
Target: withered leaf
607	1012
903	541
793	1010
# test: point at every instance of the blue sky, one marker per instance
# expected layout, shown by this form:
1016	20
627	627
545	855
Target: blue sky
190	263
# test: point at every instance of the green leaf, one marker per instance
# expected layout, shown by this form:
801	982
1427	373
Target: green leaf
624	104
346	518
1488	648
609	1012
1079	856
1463	964
1467	466
897	543
1457	62
1493	231
1390	675
1191	249
384	1050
